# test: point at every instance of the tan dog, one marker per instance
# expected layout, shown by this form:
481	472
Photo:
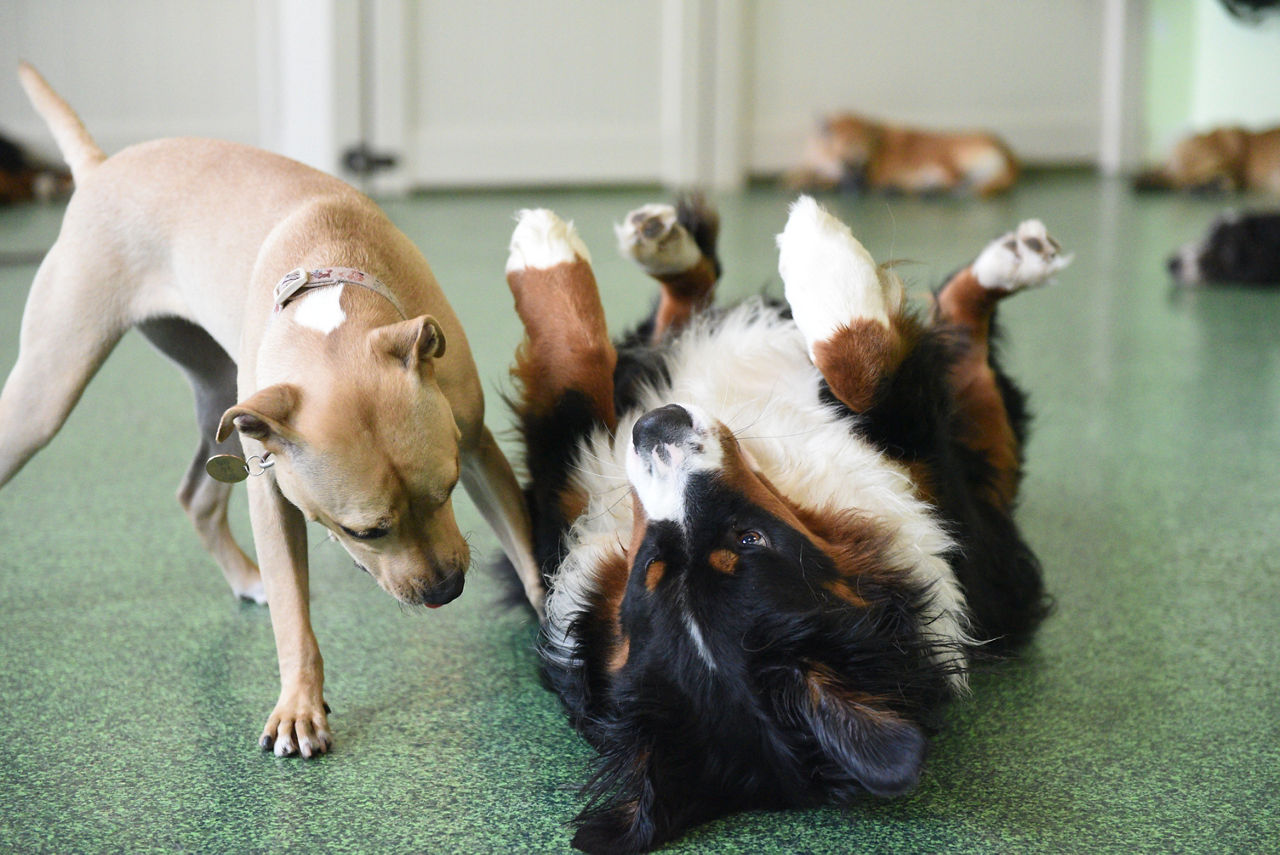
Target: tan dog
345	387
1224	159
852	150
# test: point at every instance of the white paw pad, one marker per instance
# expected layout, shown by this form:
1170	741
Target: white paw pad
829	278
653	237
1023	258
542	240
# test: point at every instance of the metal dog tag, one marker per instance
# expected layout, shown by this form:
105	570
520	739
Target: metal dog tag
227	468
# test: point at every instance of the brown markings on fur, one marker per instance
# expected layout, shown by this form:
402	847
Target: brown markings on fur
618	657
856	545
842	589
566	343
922	483
653	574
723	561
573	503
612	578
855	358
683	295
825	687
966	307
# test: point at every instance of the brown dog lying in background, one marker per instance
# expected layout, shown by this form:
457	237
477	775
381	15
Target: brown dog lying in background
1224	159
852	150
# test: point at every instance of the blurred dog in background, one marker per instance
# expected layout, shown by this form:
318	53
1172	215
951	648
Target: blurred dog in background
1238	247
851	150
1224	159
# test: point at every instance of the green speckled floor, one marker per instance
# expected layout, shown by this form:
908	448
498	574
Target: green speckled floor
1145	718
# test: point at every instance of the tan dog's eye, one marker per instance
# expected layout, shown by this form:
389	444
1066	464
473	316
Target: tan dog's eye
367	533
751	537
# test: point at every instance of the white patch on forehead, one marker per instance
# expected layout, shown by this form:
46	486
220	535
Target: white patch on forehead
321	309
696	634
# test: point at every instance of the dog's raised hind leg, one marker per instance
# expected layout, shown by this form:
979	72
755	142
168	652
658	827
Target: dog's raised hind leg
847	307
212	374
66	336
676	245
564	368
966	304
566	349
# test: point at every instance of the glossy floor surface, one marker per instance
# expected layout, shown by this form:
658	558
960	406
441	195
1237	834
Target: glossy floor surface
1144	718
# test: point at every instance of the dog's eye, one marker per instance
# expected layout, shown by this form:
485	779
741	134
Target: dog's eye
367	533
751	537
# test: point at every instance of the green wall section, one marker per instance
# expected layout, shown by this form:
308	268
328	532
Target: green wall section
1167	69
1202	67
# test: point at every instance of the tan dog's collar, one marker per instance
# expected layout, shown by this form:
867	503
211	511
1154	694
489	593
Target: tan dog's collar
299	281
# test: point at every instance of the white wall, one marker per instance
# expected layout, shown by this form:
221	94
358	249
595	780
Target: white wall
1236	76
1028	69
134	70
561	91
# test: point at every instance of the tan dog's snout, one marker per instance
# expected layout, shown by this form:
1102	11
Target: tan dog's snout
430	570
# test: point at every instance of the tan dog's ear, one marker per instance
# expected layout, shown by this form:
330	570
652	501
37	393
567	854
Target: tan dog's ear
263	414
412	342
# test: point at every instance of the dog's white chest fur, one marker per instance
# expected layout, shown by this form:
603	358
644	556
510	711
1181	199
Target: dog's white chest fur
752	372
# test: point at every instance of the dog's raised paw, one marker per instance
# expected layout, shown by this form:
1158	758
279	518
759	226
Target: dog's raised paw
829	278
1023	258
541	240
654	238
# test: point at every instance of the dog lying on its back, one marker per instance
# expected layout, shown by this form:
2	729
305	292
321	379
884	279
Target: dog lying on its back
314	337
772	533
853	151
1221	160
1238	247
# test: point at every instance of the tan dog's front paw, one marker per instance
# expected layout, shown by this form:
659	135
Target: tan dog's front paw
297	726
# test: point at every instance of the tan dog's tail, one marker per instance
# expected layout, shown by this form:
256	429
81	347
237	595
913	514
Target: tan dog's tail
78	148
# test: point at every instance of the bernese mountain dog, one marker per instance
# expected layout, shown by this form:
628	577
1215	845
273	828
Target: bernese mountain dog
773	534
1238	247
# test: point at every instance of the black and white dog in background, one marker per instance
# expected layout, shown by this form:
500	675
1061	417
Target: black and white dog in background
1238	247
772	533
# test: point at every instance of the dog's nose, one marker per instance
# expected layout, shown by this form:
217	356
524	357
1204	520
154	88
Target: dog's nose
662	426
1174	264
444	591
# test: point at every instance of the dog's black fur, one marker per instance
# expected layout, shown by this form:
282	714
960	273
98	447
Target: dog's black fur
815	700
1238	247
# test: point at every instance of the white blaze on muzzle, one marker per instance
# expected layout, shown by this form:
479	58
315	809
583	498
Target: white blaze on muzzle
668	446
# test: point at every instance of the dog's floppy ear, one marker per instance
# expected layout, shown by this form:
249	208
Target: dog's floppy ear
413	342
263	414
875	746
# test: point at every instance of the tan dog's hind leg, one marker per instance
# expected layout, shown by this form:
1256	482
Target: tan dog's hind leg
298	724
566	346
491	484
966	303
845	305
67	333
658	238
212	375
